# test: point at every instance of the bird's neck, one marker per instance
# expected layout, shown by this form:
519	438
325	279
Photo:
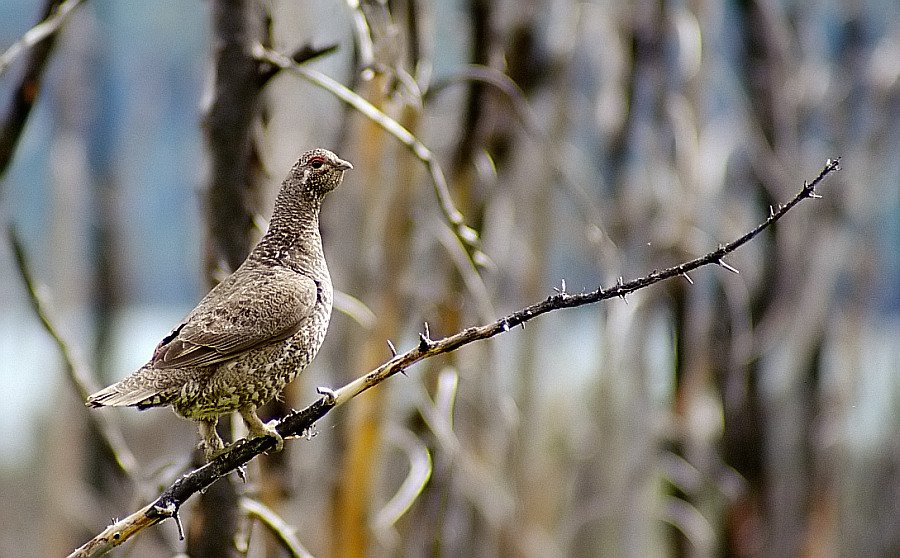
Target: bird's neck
293	238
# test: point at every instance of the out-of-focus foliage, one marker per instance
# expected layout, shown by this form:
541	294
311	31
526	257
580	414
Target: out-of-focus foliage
742	415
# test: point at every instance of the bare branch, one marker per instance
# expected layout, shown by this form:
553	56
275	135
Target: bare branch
420	469
38	33
364	44
38	43
298	422
279	527
84	385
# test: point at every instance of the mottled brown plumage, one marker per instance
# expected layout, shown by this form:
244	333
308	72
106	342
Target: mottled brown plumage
256	330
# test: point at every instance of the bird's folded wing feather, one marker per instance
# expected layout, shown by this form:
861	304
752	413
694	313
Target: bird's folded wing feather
247	310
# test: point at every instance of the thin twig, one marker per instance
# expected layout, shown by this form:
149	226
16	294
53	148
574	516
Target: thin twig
298	422
365	46
420	469
84	385
278	526
38	33
585	203
497	79
38	43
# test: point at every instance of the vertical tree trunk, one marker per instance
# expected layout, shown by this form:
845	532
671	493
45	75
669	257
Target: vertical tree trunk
232	196
231	203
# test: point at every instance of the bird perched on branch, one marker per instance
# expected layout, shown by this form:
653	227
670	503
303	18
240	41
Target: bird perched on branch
256	330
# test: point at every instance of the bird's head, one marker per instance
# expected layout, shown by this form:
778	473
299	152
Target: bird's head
319	171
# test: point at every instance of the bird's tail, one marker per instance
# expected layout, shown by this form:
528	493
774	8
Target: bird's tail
131	392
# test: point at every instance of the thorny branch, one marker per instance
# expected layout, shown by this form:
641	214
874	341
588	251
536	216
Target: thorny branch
297	423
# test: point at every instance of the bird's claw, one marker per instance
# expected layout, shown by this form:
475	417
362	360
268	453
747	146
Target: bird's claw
268	429
213	450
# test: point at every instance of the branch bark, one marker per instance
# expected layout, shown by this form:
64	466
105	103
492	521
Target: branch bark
300	422
232	199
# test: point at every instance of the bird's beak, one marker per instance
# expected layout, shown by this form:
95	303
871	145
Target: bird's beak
343	165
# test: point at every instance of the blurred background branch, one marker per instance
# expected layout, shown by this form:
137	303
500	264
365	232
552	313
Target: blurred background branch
81	380
37	43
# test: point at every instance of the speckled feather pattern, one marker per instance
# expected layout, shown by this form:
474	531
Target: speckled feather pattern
254	377
254	332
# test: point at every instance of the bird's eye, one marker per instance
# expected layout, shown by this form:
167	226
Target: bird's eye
317	162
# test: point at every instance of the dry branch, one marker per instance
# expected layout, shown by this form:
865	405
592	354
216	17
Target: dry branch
56	16
283	531
38	42
84	384
297	423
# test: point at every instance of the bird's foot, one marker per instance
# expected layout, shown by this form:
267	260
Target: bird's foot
268	429
259	428
211	444
214	449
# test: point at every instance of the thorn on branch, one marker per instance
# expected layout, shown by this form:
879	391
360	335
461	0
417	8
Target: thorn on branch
167	510
559	292
268	70
425	339
308	52
810	189
561	289
170	510
619	284
178	524
504	325
688	277
394	355
728	267
327	394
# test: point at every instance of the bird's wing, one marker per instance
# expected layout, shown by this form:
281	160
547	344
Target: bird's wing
247	310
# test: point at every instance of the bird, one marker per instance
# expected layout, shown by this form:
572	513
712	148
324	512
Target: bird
256	330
